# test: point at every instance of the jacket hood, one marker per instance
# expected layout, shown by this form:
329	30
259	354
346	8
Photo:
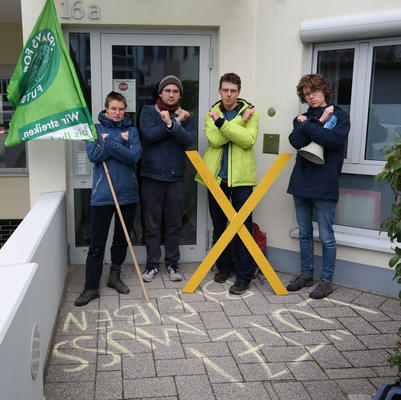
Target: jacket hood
106	121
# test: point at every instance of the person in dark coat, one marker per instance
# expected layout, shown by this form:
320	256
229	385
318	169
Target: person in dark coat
119	146
314	186
167	131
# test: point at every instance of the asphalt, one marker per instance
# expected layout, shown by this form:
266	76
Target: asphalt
213	345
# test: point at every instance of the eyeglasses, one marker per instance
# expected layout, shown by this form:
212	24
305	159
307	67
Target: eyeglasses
308	94
171	91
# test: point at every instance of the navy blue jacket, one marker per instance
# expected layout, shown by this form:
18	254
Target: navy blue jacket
311	180
163	156
121	157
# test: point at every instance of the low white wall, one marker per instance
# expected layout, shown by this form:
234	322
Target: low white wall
33	267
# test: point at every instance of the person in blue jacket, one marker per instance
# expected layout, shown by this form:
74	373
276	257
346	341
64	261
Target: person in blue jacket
167	131
315	186
119	146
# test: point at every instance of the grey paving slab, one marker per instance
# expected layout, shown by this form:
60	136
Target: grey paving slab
128	346
366	358
193	333
358	326
328	356
138	366
344	340
371	314
327	390
245	321
235	307
70	391
306	370
108	385
348	373
318	324
345	294
356	386
247	390
391	306
180	367
183	318
387	326
222	369
286	353
156	331
370	300
108	362
305	337
215	320
385	371
285	391
80	357
203	306
380	341
170	304
194	388
247	351
167	348
267	335
195	297
229	335
335	312
148	387
62	373
265	371
201	350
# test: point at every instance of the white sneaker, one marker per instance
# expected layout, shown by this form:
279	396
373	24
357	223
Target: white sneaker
174	274
149	273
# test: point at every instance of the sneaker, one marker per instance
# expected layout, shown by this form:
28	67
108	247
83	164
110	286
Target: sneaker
323	289
174	274
149	273
299	282
86	296
221	276
239	287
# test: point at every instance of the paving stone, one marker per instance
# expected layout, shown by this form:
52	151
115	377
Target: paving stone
192	297
328	356
148	387
156	331
291	298
193	333
160	291
245	321
203	306
391	306
286	391
194	388
229	335
247	352
306	370
70	342
222	369
285	322
248	390
366	358
257	304
304	338
70	391
370	300
347	373
270	390
108	362
108	385
235	307
215	319
267	336
192	366
121	325
62	373
138	366
344	294
109	302
384	371
356	386
343	340
214	349
381	341
69	328
170	304
318	324
372	314
129	346
73	357
168	348
382	380
327	390
286	353
335	312
265	371
183	318
358	326
387	326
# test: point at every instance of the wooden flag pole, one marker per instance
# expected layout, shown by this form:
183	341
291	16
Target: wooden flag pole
145	294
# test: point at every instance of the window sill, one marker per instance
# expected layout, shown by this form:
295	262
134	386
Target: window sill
354	237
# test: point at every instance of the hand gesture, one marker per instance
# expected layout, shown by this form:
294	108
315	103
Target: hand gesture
165	116
125	135
248	114
301	118
214	115
327	113
183	115
104	136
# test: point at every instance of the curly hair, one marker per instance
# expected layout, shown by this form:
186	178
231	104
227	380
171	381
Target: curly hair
314	82
115	96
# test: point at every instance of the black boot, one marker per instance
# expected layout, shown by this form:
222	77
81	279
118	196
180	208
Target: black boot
115	282
86	296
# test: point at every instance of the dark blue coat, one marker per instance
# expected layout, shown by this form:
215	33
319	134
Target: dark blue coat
311	180
163	156
121	157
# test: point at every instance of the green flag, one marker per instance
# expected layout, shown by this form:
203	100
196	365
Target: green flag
44	89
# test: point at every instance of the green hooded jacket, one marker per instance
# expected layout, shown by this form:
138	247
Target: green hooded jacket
240	137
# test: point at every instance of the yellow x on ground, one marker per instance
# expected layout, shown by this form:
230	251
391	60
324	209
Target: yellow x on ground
236	222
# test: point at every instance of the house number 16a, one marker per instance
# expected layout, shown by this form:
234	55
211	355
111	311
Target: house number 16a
77	11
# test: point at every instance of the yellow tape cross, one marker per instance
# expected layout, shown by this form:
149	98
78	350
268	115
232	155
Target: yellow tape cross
236	222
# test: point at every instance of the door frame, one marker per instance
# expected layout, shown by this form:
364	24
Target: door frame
101	41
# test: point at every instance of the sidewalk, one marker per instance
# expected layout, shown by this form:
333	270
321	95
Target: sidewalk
212	345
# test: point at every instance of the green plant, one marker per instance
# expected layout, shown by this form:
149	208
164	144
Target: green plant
392	174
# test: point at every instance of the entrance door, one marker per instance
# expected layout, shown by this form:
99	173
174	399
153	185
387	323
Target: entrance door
133	64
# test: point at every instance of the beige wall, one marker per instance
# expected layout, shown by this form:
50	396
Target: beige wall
10	43
258	39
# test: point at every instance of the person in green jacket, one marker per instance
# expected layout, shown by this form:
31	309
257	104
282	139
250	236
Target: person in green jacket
231	127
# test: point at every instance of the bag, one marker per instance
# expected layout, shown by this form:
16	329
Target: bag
388	392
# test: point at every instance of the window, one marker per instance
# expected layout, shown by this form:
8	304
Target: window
12	159
366	80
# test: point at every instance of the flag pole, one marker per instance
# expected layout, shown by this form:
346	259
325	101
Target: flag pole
145	294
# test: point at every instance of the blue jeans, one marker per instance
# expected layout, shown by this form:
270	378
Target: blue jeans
243	261
325	210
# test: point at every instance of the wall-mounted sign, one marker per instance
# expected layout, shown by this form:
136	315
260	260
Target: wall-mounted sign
77	9
127	87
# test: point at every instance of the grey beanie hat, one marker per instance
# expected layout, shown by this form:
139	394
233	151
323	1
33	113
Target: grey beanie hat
170	80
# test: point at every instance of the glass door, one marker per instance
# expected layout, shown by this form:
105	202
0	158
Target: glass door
133	64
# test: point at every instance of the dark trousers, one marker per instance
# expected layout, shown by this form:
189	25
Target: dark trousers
242	259
162	210
101	219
